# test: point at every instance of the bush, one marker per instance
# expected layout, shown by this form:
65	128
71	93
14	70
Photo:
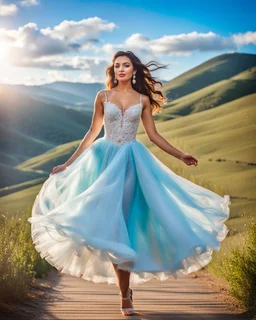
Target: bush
239	269
19	261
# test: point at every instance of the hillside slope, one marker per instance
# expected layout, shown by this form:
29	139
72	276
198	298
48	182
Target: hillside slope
30	127
214	70
211	96
223	141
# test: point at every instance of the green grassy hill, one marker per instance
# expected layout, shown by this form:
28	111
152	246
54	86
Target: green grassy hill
211	96
222	139
16	146
44	162
214	70
30	127
13	179
246	75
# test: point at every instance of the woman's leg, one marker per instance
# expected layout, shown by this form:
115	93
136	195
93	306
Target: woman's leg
123	278
128	195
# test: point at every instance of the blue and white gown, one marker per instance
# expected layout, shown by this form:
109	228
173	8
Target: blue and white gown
118	203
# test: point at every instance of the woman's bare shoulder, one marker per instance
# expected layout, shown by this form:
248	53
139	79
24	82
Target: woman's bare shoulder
144	97
101	95
101	92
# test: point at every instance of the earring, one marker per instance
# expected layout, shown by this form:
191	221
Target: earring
134	79
115	81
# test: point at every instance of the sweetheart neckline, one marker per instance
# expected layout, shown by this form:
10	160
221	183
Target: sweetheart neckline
113	104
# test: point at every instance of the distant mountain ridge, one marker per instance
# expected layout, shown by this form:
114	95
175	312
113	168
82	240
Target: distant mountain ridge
73	95
80	96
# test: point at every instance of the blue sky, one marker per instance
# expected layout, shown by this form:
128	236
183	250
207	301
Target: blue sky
47	40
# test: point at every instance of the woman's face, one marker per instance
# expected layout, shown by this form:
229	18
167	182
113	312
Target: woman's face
123	66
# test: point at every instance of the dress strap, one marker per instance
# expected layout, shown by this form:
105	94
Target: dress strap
106	95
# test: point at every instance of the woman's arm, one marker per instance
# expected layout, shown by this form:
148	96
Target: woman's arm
156	138
90	136
93	131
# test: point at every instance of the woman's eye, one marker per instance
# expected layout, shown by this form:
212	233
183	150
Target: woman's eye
127	66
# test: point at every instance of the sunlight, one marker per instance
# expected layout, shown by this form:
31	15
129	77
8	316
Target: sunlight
3	50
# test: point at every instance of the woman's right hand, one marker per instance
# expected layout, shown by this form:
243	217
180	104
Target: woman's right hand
59	168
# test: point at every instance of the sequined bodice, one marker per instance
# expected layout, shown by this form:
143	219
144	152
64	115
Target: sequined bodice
121	127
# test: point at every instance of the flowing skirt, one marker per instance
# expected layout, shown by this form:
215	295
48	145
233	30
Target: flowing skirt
122	205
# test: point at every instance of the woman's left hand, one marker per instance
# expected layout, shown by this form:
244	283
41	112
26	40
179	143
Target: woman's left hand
189	160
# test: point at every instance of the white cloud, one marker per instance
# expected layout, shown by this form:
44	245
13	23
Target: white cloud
181	44
29	3
136	39
184	43
50	48
245	38
57	76
28	42
12	9
84	63
8	9
70	31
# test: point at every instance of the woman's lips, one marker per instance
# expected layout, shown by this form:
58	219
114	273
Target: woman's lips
121	75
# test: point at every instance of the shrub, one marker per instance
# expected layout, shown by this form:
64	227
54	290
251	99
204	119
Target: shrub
19	261
239	269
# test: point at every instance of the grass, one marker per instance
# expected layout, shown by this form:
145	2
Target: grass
239	269
210	97
33	126
211	71
222	141
19	261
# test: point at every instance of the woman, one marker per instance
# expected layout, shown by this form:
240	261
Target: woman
113	212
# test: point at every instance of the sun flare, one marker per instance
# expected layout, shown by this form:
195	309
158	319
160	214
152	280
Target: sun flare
3	50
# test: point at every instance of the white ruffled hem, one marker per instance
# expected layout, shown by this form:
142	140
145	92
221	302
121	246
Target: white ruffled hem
95	264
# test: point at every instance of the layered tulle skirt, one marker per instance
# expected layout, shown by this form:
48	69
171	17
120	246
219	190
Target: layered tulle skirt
120	204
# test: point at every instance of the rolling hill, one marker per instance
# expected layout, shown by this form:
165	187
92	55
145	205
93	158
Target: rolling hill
212	96
79	96
219	68
30	127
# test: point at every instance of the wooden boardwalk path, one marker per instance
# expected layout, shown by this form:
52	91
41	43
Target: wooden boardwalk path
186	298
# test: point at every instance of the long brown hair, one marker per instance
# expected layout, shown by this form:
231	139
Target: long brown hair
145	83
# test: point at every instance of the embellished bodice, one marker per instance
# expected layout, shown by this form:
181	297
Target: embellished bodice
121	127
